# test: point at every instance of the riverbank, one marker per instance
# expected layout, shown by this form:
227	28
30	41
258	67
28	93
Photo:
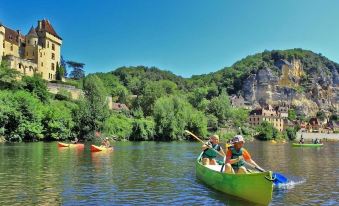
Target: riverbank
321	136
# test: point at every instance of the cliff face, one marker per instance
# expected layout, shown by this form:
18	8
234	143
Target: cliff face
308	88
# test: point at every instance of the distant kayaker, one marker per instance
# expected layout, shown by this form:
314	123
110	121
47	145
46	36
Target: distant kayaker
236	157
106	143
75	141
316	141
302	141
208	157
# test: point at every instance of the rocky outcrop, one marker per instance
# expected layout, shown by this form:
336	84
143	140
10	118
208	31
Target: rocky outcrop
308	89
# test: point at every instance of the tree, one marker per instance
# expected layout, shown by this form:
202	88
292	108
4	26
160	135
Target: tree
60	72
96	96
173	114
292	114
63	64
220	107
8	76
37	86
78	71
321	115
266	131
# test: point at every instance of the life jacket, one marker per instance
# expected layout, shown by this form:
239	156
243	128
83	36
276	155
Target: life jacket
235	155
209	153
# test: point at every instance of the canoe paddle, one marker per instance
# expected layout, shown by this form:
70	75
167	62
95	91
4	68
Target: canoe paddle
278	178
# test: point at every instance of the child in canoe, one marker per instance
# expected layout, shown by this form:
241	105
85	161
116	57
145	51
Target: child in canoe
208	157
236	156
106	143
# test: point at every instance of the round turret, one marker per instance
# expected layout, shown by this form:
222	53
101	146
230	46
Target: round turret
32	37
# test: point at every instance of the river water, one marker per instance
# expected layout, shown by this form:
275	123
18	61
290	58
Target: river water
151	173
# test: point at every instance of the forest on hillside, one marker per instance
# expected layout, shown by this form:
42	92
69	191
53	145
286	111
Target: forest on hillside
161	104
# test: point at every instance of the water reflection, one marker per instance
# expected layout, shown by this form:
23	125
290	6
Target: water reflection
150	173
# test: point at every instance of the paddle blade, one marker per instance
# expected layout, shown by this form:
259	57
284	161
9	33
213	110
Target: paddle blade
279	178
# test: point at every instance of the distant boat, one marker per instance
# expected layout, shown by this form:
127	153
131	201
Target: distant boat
95	148
255	187
306	145
61	144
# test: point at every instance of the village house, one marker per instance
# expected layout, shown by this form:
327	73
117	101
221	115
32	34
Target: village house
269	114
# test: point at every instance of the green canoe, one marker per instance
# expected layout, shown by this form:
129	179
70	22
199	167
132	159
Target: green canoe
254	187
306	145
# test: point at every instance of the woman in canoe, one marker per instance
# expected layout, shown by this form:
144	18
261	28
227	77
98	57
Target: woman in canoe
208	157
105	143
236	157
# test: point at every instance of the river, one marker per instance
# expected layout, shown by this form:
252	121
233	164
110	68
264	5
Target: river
151	173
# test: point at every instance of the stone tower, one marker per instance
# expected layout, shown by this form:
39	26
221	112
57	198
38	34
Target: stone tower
49	53
2	39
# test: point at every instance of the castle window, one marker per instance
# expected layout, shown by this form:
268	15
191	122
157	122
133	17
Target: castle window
19	66
40	54
53	56
35	42
47	44
42	64
33	53
3	45
11	47
52	66
53	47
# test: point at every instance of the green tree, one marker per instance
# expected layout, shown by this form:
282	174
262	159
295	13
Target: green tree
220	107
78	69
60	72
96	96
57	121
143	129
266	131
119	126
173	114
321	115
292	114
8	76
37	86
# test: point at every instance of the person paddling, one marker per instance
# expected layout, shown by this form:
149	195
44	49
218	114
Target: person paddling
106	143
302	141
209	155
75	141
236	157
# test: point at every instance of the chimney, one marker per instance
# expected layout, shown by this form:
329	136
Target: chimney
39	25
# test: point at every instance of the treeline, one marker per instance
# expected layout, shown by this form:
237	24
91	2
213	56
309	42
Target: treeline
161	107
161	104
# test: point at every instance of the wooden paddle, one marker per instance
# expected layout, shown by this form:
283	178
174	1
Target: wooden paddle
193	135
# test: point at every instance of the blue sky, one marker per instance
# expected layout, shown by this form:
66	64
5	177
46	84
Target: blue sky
187	37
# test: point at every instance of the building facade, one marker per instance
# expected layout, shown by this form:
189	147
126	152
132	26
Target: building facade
269	114
37	52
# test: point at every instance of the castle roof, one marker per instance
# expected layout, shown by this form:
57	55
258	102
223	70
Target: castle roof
32	32
47	27
13	36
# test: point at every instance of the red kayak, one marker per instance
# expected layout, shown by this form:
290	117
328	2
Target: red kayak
60	144
95	148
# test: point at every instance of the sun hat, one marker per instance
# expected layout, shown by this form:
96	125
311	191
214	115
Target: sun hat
215	136
238	138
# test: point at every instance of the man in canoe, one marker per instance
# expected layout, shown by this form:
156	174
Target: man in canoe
302	141
236	156
106	143
75	141
208	157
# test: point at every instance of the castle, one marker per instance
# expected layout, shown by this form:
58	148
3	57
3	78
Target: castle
37	52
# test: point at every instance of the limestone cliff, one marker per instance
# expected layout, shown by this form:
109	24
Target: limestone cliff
301	82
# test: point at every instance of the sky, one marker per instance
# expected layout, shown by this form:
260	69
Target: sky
186	37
